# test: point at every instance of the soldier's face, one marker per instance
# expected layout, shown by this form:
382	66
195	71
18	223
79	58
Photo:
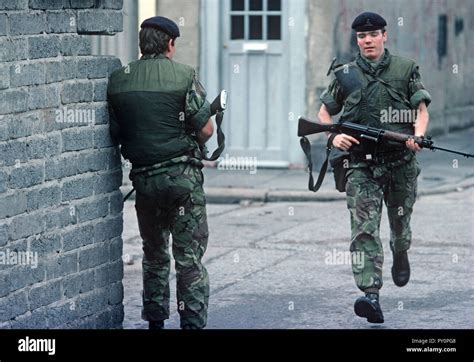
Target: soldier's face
371	43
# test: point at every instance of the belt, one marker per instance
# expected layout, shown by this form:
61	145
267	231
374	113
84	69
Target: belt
154	169
380	157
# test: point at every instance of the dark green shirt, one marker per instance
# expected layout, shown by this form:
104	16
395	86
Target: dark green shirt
156	107
375	104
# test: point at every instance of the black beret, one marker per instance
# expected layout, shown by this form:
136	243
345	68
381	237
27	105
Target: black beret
368	21
166	25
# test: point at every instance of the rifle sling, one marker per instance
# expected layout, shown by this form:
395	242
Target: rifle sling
220	140
306	146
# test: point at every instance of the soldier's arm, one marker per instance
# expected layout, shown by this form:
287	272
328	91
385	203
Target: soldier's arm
421	125
420	100
331	99
206	132
198	111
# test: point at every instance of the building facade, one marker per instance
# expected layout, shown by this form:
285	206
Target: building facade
273	55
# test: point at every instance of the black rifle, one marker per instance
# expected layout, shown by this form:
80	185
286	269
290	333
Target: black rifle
306	127
218	106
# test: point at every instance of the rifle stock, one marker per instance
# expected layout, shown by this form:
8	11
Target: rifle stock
306	127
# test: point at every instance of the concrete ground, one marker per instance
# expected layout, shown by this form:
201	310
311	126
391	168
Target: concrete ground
281	264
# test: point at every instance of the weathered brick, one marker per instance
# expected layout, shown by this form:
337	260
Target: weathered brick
116	248
43	96
26	275
26	176
102	137
92	161
58	168
13	49
78	283
115	159
100	91
47	4
116	203
25	225
27	23
12	205
78	188
61	22
43	46
60	218
61	265
115	292
77	139
81	4
4	131
117	316
93	256
31	320
99	22
108	182
96	67
44	294
14	4
46	244
101	113
60	70
3	235
74	45
44	146
113	64
111	4
4	77
12	152
59	315
13	305
25	124
44	197
4	283
108	274
77	92
108	229
92	302
78	237
12	101
92	209
27	74
3	24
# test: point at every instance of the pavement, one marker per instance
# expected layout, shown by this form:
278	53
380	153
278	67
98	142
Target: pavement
442	172
277	254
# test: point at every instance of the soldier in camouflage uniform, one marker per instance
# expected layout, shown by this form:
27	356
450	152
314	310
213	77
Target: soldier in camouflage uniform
384	173
160	116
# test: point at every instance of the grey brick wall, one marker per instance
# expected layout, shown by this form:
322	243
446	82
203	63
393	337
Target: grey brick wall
60	203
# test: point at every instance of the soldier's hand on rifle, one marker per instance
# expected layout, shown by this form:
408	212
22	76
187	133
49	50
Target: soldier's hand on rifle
412	145
344	142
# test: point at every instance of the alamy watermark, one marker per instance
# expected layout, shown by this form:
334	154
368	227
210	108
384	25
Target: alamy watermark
335	257
230	163
12	257
84	116
391	115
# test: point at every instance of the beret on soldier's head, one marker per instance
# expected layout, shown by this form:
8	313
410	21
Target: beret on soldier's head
368	21
166	25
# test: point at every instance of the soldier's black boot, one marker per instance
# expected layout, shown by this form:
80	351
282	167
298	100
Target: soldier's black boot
156	325
400	269
369	307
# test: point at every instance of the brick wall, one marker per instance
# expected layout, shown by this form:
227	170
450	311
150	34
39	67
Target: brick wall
60	174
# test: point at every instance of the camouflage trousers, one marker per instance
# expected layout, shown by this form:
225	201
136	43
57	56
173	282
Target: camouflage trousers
368	186
172	201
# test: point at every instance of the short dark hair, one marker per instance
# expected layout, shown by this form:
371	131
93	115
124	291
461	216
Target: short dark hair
153	41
